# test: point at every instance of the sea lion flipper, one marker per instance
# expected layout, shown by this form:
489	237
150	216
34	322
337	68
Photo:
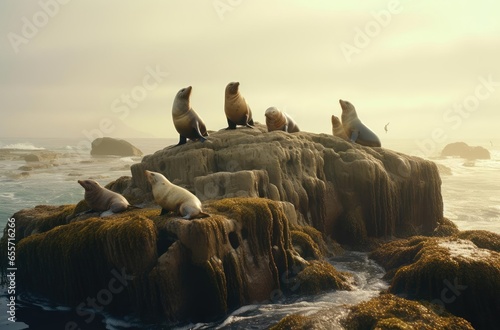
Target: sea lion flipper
354	135
182	140
230	124
249	121
196	126
106	213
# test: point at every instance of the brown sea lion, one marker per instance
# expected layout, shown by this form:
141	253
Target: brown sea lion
236	107
277	120
101	199
186	121
355	129
338	128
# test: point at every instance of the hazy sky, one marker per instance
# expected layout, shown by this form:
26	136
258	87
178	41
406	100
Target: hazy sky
83	68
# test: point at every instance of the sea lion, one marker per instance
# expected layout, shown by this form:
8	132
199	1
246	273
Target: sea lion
186	121
236	107
355	129
101	199
338	128
174	198
277	120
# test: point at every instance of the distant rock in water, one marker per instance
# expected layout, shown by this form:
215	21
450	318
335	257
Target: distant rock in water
107	146
463	150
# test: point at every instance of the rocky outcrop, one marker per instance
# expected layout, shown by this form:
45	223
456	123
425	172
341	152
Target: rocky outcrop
165	268
352	193
451	272
391	312
107	146
463	150
386	311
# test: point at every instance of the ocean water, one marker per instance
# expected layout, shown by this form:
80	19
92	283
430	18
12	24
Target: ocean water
471	195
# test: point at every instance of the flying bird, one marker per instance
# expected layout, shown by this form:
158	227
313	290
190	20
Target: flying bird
385	127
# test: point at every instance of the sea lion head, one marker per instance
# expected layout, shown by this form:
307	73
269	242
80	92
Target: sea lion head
184	93
155	177
272	113
181	102
347	107
335	121
89	185
232	88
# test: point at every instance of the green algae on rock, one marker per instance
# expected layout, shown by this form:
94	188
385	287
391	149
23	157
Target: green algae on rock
451	272
391	312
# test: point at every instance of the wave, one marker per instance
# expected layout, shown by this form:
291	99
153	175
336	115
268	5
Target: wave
21	146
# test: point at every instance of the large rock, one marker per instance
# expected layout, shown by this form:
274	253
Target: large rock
390	312
463	150
163	268
452	272
107	146
350	192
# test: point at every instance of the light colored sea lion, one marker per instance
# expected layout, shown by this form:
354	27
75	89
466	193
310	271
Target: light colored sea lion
174	198
338	128
103	200
355	129
186	121
236	107
277	120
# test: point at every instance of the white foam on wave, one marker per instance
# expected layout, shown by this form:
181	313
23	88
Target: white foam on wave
464	249
21	146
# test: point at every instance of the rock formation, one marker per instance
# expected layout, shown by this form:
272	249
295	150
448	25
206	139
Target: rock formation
451	272
169	268
107	146
347	191
273	199
391	312
463	150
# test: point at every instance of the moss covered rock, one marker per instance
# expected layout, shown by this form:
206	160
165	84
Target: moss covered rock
391	312
344	190
451	272
171	268
482	238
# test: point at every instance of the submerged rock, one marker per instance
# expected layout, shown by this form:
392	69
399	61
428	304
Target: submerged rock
349	192
107	146
168	268
463	150
451	272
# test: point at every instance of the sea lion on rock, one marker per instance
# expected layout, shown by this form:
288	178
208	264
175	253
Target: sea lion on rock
101	199
355	129
277	120
174	198
186	121
236	107
338	128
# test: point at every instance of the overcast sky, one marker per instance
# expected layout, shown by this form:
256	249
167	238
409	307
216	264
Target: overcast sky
77	68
